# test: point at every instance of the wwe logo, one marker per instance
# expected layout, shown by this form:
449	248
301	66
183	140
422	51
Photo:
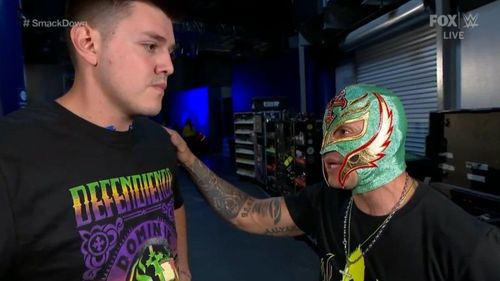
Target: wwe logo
470	20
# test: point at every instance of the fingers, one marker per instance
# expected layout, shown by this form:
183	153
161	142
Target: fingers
184	155
170	131
174	136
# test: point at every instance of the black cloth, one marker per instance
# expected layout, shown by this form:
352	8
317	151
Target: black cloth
429	238
81	202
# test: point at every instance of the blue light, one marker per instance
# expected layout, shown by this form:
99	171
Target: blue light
243	90
266	78
190	104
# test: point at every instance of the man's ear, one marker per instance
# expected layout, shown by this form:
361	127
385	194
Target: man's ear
84	39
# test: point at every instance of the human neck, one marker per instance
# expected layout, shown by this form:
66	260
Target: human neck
91	104
381	201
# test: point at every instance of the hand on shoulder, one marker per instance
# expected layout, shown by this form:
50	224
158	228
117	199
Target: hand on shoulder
184	155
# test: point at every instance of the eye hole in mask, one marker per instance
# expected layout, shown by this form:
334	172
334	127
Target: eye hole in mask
354	159
347	131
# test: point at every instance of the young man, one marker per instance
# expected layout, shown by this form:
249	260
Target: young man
87	187
371	219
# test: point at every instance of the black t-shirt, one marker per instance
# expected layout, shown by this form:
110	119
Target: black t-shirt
80	202
429	238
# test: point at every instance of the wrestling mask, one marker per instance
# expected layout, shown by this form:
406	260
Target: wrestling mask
377	153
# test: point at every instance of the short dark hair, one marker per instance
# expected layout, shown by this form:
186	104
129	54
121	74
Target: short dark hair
105	14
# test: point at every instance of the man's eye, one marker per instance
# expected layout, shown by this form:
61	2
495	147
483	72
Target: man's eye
342	132
150	47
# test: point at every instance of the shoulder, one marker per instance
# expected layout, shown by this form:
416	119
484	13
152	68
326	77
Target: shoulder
152	134
453	221
310	193
21	116
318	196
437	202
151	129
313	206
482	263
24	124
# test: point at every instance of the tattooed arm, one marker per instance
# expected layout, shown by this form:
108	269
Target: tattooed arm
262	216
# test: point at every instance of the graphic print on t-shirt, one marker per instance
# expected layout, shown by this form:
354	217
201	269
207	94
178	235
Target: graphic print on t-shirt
328	267
127	228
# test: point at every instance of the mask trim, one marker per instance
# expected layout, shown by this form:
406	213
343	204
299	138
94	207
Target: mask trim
329	138
339	101
373	150
357	110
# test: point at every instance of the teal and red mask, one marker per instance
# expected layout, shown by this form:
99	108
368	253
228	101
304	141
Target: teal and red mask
377	153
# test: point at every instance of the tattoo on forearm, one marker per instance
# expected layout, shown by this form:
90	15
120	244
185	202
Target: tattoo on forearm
247	208
269	207
280	230
225	198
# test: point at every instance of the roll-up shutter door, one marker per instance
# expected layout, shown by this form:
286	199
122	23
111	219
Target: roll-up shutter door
405	64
